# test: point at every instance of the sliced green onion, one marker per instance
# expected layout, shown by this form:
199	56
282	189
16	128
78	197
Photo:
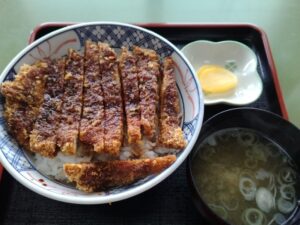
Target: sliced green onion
272	150
247	188
260	153
285	206
287	175
219	210
251	163
291	163
250	153
287	192
253	216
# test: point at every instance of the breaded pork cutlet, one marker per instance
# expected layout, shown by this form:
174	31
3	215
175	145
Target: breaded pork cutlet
148	75
23	98
113	105
171	135
72	103
43	136
91	124
100	176
131	96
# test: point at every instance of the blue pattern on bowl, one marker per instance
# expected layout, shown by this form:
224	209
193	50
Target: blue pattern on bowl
118	36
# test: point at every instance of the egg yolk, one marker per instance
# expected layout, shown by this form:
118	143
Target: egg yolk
216	79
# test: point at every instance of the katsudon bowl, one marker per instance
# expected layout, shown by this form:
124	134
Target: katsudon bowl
20	164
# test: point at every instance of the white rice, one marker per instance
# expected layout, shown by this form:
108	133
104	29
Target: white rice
54	167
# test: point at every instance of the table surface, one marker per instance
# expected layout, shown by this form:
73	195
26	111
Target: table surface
280	20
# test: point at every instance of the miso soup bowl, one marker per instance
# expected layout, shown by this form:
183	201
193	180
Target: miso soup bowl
268	124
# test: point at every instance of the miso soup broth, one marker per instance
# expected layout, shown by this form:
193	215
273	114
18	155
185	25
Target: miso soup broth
245	178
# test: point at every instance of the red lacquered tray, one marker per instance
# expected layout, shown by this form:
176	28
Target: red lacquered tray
150	207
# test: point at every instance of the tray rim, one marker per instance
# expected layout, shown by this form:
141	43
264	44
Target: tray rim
266	44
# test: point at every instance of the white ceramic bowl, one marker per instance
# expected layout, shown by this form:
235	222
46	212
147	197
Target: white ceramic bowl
54	45
234	56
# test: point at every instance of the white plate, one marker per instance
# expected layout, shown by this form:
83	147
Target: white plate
234	56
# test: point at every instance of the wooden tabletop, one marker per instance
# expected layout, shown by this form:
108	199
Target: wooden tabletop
279	19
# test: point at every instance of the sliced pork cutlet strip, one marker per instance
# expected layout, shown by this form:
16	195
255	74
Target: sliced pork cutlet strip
171	135
43	136
91	124
148	75
72	103
131	96
113	105
100	176
23	98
